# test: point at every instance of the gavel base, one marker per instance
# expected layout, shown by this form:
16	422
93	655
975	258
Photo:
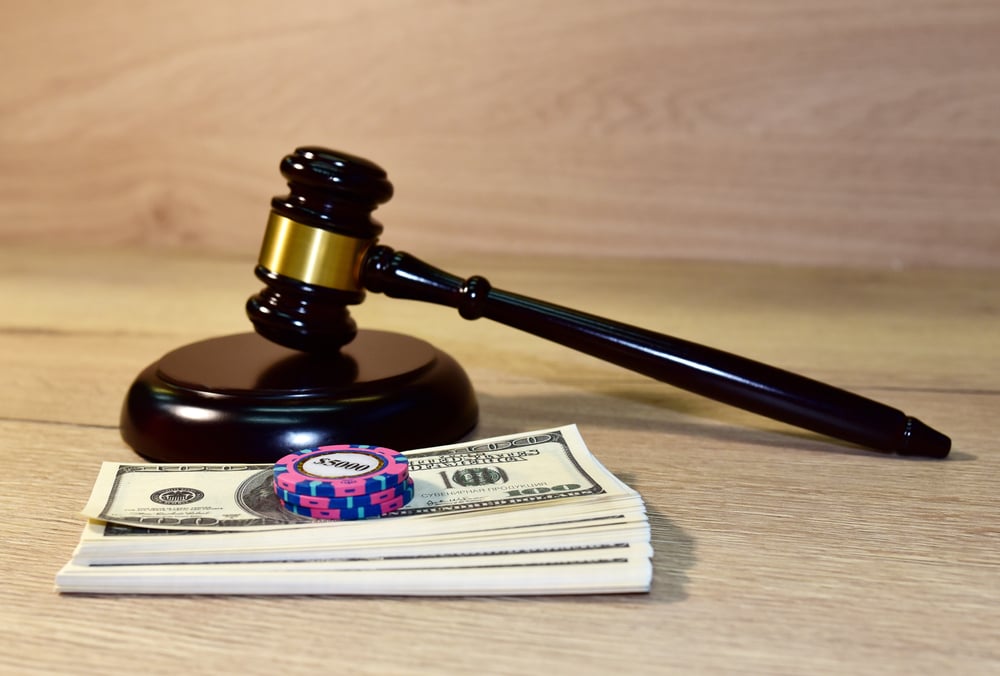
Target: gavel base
241	398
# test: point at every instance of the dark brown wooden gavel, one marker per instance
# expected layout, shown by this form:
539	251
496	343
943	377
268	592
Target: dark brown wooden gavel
320	255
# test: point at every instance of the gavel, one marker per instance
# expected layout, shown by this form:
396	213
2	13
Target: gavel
320	254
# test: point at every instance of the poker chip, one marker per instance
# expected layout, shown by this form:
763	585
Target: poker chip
350	502
343	482
340	471
357	512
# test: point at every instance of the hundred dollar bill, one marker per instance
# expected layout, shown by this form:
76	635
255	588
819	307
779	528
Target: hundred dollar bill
540	468
607	570
105	544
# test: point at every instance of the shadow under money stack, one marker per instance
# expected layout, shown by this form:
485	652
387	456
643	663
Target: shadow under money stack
343	482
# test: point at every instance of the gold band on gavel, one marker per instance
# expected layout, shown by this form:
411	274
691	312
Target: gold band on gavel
312	255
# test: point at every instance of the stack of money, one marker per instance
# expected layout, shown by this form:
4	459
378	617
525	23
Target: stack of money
532	513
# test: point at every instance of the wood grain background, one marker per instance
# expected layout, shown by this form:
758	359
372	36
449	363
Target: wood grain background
857	132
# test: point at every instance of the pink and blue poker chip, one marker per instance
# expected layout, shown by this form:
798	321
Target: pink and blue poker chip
343	481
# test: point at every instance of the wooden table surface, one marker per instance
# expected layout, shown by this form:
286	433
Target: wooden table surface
776	551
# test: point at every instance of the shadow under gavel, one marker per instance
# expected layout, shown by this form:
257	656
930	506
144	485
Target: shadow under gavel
320	255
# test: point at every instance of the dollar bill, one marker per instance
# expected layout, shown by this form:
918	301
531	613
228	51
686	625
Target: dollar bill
611	570
542	468
531	513
106	544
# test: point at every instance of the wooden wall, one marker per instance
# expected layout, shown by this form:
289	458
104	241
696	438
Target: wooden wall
859	132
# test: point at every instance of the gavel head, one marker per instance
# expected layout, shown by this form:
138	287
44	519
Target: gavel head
314	244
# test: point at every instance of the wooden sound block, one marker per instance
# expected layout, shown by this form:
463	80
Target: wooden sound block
242	398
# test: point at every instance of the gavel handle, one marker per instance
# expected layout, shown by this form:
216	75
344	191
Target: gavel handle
713	373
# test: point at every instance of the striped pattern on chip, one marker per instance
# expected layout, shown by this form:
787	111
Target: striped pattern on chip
344	481
350	502
354	513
